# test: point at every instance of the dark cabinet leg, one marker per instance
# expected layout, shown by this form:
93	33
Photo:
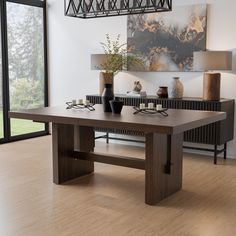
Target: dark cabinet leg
65	139
215	154
163	169
107	137
225	151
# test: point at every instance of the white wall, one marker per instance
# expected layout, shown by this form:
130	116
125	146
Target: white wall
72	40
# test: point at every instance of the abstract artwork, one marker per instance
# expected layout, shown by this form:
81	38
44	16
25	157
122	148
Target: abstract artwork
166	41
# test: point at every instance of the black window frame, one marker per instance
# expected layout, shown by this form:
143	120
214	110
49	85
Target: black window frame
5	70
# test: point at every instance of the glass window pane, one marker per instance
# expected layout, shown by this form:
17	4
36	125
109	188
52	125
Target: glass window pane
26	63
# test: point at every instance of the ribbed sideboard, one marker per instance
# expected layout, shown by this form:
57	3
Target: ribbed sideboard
215	134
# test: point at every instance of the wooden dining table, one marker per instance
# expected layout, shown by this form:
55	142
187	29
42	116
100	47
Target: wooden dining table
73	140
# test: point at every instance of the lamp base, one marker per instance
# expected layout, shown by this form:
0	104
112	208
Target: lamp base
105	78
211	86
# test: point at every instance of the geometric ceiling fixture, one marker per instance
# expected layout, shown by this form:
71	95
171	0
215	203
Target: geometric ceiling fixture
102	8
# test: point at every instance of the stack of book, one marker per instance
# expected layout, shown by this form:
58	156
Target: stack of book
136	94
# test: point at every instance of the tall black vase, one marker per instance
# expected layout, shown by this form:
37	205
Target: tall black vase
107	96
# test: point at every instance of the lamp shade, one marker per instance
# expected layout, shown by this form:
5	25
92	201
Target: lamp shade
212	60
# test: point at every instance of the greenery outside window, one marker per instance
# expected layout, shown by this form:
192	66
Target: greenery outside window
25	65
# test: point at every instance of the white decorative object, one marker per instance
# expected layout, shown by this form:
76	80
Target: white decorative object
150	105
73	101
80	101
177	88
159	107
135	94
137	86
142	105
87	102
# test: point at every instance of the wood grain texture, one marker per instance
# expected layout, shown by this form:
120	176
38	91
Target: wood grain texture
204	134
65	166
164	140
211	86
105	78
178	120
110	202
160	150
117	160
226	132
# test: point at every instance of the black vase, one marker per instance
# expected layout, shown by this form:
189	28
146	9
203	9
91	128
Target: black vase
107	96
116	105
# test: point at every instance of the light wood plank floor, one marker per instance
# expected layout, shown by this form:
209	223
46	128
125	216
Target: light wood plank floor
111	202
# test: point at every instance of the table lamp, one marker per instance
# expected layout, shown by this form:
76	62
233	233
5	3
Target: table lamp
103	62
210	61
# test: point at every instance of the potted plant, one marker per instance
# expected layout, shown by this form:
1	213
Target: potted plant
115	59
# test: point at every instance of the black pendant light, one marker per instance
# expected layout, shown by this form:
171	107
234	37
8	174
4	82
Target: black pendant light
102	8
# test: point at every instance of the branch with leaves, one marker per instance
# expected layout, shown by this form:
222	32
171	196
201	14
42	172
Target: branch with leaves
117	57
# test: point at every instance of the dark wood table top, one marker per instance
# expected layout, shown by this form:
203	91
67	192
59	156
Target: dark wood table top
178	120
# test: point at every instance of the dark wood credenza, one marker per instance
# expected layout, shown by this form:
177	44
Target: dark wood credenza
216	134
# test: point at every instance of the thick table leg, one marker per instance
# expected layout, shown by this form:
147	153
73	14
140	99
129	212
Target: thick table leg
65	139
163	174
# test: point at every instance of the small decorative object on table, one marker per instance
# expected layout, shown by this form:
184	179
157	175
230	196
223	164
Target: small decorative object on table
177	88
162	92
116	105
150	109
137	86
80	105
136	92
107	96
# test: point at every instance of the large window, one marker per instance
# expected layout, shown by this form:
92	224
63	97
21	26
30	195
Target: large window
25	65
